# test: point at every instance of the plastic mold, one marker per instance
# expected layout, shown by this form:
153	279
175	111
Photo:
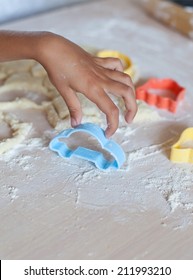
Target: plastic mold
91	155
129	67
169	93
182	151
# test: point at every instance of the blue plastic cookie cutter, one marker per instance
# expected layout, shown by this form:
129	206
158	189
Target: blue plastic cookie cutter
91	155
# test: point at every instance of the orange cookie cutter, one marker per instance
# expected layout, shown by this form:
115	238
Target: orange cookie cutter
169	93
129	67
182	151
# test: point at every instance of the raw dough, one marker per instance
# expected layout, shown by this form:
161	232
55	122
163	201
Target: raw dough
20	103
61	107
23	86
38	70
52	115
146	113
30	76
16	66
19	132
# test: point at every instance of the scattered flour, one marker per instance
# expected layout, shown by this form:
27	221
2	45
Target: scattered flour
89	187
148	179
12	192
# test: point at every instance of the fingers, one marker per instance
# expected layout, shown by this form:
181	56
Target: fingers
95	80
128	94
121	85
106	105
120	77
110	63
131	109
73	105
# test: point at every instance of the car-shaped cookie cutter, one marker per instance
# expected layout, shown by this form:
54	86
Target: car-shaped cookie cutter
129	67
173	92
94	156
182	151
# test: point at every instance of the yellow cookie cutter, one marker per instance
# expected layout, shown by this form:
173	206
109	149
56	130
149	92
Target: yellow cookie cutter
129	67
182	151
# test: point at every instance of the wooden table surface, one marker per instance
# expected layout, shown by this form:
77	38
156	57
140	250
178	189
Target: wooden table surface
55	210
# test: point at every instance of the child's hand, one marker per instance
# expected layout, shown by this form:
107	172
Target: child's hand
73	70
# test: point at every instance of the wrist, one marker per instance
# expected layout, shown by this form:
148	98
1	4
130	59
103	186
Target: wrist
47	47
37	43
21	45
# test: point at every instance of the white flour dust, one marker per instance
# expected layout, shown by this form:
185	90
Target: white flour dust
147	179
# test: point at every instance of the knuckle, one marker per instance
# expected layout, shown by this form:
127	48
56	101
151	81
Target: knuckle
128	80
117	61
128	90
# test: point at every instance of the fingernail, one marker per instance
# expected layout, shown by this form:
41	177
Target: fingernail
107	133
74	122
128	117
